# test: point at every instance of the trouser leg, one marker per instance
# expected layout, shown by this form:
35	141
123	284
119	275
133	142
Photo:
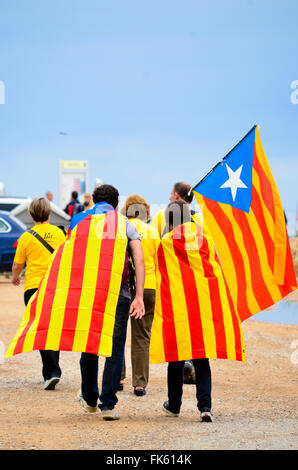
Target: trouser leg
203	383
89	375
175	385
140	341
50	359
113	365
50	364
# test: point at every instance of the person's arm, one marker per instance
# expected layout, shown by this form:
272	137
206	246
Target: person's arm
137	308
16	273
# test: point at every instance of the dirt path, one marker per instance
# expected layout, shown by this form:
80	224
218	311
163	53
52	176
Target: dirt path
254	404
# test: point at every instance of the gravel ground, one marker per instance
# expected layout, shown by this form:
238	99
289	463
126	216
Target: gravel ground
254	404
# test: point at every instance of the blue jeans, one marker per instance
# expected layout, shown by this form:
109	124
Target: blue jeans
113	365
203	384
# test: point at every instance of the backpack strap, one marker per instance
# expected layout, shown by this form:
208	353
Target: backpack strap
41	240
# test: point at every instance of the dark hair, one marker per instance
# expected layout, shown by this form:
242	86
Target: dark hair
106	193
183	189
177	213
74	194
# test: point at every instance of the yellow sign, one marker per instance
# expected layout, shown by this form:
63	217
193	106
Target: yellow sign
74	164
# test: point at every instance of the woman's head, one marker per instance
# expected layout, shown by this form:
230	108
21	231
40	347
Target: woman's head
136	207
177	213
40	209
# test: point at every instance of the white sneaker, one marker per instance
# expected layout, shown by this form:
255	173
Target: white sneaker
110	415
206	417
84	404
51	383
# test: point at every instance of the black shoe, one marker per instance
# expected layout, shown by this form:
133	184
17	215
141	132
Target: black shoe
166	409
140	393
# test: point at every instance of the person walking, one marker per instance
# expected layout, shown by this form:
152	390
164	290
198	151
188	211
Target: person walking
181	191
34	249
177	214
74	206
137	210
106	199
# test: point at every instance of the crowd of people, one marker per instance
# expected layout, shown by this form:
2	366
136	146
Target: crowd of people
136	296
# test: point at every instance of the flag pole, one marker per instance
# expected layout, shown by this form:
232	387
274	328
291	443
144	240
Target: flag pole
252	129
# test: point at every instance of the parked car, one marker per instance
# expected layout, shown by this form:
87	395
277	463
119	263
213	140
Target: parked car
10	231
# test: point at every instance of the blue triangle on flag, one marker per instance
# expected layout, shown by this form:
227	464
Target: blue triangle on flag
230	182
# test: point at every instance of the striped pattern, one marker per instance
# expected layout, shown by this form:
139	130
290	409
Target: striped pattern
253	248
74	307
194	313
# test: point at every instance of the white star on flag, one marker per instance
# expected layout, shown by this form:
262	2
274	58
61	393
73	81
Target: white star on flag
234	182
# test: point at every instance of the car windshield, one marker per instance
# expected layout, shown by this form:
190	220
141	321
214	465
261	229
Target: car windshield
18	222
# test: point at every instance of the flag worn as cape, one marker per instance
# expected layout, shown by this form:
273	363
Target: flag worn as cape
244	214
74	307
194	314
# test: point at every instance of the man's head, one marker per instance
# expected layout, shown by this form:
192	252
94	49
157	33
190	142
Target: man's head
40	209
106	193
74	195
49	196
136	207
177	213
180	191
87	199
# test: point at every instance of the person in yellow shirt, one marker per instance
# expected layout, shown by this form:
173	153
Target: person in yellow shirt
180	191
137	210
35	248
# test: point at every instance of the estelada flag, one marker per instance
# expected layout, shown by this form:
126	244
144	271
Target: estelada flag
74	307
243	211
194	314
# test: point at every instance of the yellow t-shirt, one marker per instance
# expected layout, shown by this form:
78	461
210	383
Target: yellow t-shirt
150	242
35	255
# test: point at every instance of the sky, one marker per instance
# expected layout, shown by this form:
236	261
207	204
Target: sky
149	93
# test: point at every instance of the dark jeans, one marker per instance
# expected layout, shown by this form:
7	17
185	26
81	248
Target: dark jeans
50	359
203	384
113	365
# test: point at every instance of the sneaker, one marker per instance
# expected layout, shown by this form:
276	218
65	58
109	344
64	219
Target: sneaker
51	383
206	416
166	409
84	404
110	415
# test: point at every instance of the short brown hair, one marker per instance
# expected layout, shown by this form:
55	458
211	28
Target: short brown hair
183	189
136	207
40	209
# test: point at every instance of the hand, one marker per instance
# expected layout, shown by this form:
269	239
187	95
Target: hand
137	308
16	281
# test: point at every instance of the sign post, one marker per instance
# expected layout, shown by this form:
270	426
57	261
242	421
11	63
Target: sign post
73	176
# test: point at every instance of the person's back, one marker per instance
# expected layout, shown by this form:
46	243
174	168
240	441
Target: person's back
150	241
74	206
35	255
35	249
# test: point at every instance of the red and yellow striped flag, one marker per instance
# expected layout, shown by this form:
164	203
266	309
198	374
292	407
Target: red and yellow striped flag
74	307
194	314
243	211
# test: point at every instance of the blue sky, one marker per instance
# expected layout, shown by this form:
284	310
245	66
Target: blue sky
149	93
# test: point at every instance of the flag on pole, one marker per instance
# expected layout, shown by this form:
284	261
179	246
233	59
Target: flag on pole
74	307
243	211
194	314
